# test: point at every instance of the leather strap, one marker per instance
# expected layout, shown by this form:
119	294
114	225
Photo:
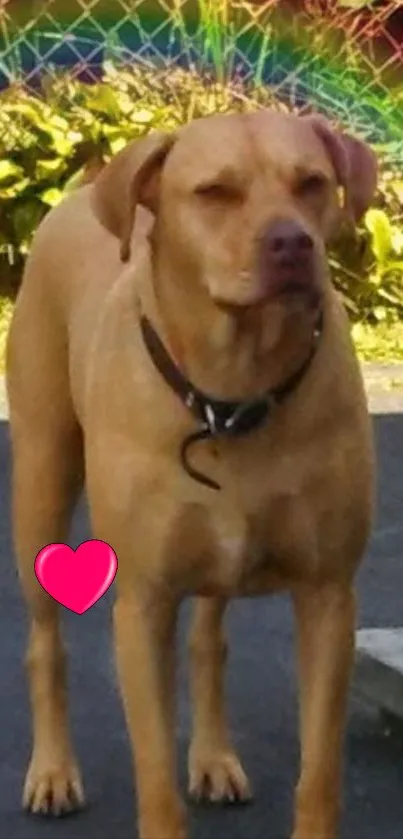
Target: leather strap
219	417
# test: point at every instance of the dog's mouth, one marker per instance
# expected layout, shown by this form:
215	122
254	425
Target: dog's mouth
251	295
303	293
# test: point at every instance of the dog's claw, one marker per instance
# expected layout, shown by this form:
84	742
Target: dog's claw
54	791
218	777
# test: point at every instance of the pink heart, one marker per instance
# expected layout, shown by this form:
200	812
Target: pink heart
76	579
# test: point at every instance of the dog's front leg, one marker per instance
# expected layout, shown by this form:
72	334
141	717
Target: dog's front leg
145	637
129	514
325	626
215	771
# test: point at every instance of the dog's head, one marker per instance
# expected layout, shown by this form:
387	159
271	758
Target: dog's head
244	205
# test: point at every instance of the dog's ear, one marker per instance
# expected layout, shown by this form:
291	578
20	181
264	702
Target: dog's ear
131	178
355	165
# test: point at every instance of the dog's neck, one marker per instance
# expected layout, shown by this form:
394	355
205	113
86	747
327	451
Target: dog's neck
226	353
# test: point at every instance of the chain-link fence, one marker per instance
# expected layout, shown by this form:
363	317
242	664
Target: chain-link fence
344	57
81	78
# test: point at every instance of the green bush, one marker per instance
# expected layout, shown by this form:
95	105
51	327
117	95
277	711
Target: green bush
368	267
48	142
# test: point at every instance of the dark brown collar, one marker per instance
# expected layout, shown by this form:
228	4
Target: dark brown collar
218	417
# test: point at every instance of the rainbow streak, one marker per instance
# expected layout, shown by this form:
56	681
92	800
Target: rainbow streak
214	37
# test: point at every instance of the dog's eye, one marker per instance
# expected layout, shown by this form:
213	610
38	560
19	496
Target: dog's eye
311	185
217	192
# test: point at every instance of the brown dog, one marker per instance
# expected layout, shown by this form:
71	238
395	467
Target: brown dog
209	391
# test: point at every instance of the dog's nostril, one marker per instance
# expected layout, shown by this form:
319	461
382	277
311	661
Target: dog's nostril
285	238
304	242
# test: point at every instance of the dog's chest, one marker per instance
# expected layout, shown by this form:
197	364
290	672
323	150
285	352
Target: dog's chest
230	549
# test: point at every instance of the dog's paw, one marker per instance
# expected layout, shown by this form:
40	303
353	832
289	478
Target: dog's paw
218	777
53	789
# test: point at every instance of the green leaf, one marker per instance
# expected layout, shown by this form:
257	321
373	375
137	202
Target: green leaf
378	224
52	197
16	189
75	136
380	313
103	100
61	144
142	117
117	145
49	168
28	110
59	122
53	127
121	132
9	171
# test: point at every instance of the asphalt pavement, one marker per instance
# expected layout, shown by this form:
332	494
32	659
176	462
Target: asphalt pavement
261	688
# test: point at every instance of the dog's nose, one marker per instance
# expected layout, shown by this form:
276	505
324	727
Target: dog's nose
286	242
